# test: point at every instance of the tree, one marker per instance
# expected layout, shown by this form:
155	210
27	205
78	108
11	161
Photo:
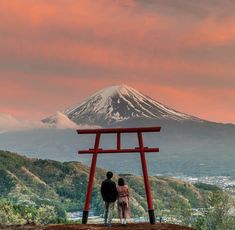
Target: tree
219	215
27	212
181	209
46	215
8	214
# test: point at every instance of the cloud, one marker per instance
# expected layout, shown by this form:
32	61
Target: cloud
10	123
61	121
70	36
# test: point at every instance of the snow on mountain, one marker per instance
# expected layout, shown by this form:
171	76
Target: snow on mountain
121	103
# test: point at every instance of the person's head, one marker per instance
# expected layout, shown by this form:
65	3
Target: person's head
109	175
121	182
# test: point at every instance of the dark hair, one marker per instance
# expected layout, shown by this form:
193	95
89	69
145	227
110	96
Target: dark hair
109	175
121	182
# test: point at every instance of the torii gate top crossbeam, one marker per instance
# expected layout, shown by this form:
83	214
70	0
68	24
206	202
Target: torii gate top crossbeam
119	130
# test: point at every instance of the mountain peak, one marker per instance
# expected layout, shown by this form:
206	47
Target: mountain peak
115	90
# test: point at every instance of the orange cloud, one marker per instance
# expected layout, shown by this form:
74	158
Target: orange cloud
212	32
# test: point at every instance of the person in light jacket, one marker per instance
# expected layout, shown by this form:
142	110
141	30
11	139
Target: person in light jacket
123	201
109	195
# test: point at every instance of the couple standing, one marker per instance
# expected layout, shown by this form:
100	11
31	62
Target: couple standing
110	193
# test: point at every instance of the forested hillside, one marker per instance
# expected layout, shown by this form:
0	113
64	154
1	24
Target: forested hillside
33	184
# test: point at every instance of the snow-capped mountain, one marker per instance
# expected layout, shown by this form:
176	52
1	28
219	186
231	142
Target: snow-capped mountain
118	104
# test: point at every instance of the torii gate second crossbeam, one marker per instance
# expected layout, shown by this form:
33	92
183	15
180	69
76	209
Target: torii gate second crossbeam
96	150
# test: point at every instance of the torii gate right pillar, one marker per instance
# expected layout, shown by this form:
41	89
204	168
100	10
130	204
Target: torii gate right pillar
146	180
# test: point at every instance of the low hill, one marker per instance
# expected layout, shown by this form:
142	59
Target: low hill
39	182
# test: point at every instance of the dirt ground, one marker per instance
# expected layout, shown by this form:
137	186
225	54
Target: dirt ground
139	226
131	226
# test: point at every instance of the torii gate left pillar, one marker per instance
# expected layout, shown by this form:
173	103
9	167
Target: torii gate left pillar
141	149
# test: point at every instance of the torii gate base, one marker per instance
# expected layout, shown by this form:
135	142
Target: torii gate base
141	149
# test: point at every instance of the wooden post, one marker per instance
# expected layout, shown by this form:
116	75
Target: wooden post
146	180
91	180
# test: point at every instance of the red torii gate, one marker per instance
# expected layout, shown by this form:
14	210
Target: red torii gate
141	149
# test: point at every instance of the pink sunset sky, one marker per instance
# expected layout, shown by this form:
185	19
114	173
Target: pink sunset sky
55	53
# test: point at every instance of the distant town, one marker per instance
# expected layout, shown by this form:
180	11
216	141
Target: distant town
225	182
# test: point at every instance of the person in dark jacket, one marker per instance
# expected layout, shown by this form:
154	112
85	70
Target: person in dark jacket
109	195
